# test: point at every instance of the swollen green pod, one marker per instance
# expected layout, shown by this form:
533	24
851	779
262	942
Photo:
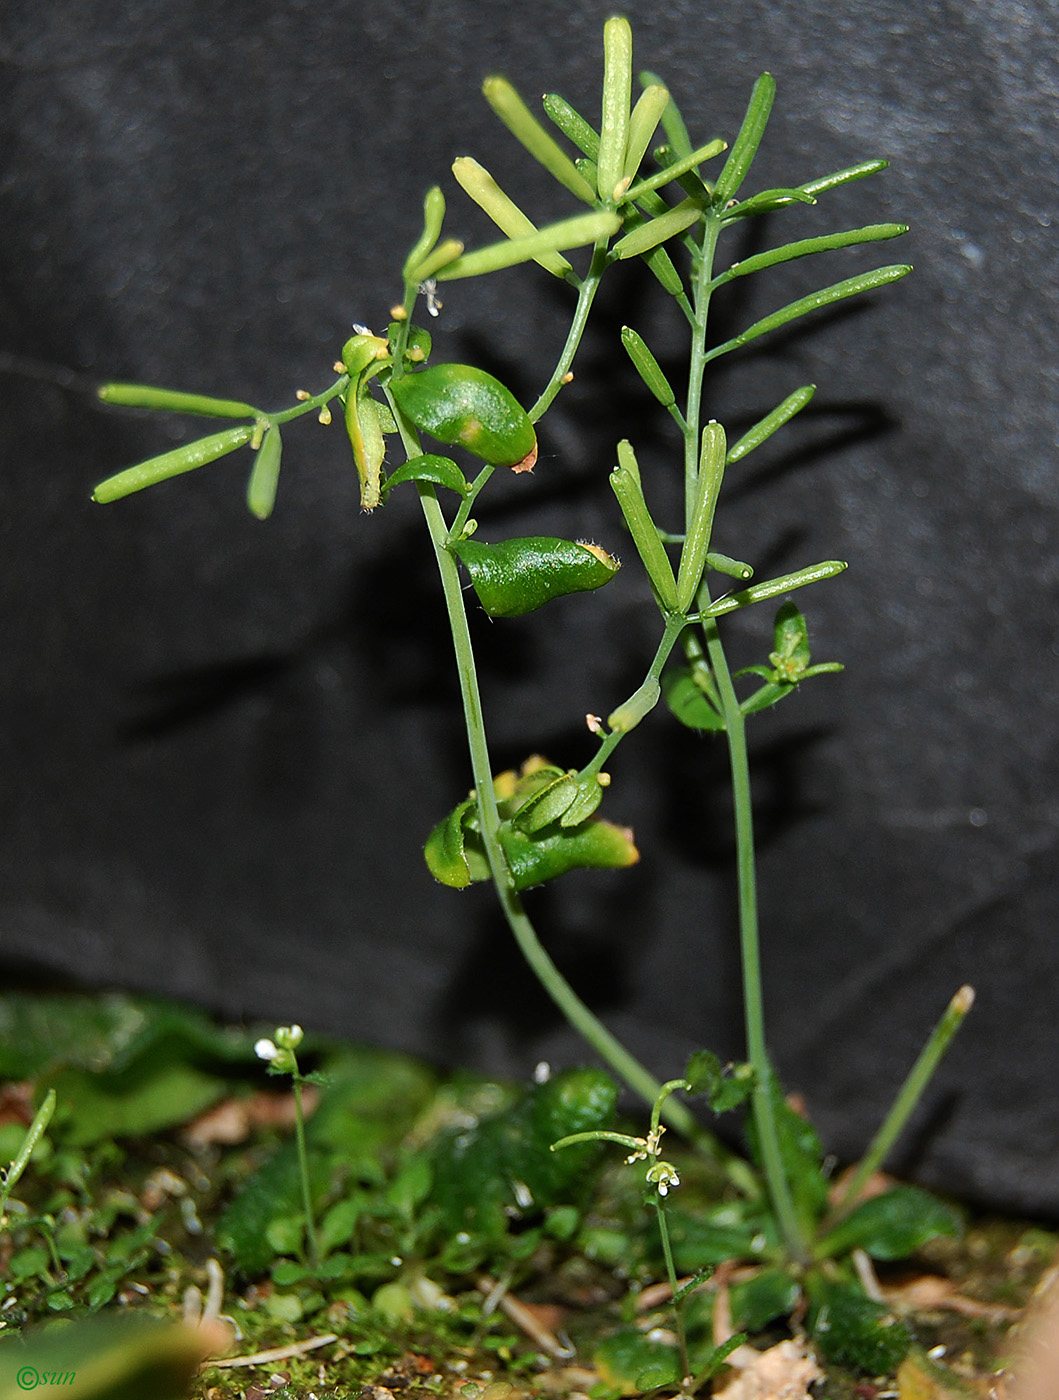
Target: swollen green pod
465	406
517	576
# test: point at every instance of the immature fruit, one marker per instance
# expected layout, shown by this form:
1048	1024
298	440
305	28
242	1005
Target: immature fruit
466	407
516	576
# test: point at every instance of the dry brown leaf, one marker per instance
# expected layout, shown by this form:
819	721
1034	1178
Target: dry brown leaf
1034	1370
784	1372
232	1121
930	1293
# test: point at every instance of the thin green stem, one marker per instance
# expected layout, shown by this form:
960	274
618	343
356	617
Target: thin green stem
761	1101
311	403
585	295
467	505
678	1307
610	1050
749	942
904	1105
303	1166
675	624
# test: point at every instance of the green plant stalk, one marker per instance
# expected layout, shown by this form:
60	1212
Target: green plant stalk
585	295
753	1003
34	1133
753	1007
904	1104
678	1306
609	1049
303	1167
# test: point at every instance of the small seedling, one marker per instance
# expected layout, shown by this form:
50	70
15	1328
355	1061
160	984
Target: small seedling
281	1056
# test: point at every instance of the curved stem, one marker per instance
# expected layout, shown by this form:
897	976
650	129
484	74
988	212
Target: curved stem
609	1049
585	295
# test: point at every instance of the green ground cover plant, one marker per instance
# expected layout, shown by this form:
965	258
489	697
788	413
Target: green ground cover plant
369	1210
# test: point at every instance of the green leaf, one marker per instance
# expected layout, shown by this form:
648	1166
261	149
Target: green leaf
477	182
465	406
765	427
517	576
854	1330
744	148
688	703
725	1086
594	845
892	1225
156	1093
572	124
679	167
518	119
445	849
827	296
502	1165
630	1356
770	588
568	233
440	471
264	475
617	93
806	247
174	401
657	231
548	804
181	459
759	1300
802	1158
766	696
107	1358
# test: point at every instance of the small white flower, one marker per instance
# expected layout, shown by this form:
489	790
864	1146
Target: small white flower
289	1037
265	1050
663	1175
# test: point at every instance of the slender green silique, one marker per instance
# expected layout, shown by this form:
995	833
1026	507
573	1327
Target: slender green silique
908	1097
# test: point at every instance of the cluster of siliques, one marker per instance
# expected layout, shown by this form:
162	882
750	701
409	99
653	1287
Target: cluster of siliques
648	194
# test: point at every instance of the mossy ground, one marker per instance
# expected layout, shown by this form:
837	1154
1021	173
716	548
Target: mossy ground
113	1217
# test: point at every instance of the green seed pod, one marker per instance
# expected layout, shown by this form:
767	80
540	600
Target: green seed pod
647	367
462	405
264	476
693	555
625	483
638	706
174	401
366	439
181	459
433	217
516	576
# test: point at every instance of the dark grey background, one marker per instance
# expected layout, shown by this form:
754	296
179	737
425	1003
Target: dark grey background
222	743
